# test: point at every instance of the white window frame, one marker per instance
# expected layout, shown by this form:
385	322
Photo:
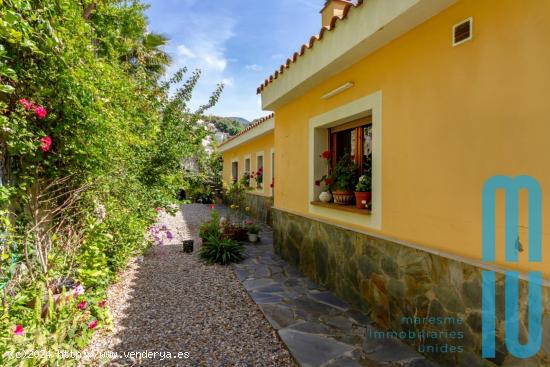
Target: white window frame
235	160
260	154
318	131
249	157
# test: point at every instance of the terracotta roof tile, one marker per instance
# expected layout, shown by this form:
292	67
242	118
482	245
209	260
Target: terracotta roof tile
252	125
309	45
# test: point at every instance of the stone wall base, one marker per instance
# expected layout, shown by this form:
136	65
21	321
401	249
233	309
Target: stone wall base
391	282
260	207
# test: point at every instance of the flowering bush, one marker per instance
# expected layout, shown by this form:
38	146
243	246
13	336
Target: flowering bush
85	164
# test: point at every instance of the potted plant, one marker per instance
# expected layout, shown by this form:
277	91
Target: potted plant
253	230
363	192
344	180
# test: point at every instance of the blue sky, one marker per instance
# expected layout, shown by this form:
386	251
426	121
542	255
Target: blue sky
239	42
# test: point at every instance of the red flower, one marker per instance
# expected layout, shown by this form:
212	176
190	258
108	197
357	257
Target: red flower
259	173
328	181
157	209
251	176
326	154
92	325
46	143
18	330
212	206
26	104
40	112
102	303
317	183
81	305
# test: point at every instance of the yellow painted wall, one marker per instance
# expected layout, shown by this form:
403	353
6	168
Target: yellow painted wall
451	118
263	143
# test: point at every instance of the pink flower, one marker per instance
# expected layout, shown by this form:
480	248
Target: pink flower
40	112
82	305
169	235
212	206
78	290
102	303
157	209
92	325
18	330
46	143
26	104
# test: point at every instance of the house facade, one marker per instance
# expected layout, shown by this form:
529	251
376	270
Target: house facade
438	96
249	157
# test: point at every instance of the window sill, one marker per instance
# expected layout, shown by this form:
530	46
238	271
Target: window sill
346	208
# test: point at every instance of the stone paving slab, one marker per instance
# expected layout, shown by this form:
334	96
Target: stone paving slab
318	328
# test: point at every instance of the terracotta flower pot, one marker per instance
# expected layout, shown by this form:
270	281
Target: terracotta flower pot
362	199
342	197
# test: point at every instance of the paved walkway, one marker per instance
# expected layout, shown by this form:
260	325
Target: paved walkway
318	328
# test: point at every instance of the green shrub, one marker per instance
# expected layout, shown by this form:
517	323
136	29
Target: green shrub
220	250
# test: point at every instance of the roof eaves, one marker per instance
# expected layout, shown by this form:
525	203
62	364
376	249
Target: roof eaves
253	125
307	46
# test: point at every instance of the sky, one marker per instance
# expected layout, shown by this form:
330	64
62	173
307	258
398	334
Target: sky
237	42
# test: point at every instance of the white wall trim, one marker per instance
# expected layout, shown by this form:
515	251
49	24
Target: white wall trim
264	128
366	29
318	142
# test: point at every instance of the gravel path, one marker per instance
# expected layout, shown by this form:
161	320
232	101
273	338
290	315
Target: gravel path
169	301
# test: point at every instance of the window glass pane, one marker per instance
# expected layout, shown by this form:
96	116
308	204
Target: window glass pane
367	149
345	143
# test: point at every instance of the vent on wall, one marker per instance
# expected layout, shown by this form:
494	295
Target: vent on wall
462	32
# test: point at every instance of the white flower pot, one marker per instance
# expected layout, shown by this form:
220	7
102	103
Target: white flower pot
325	196
252	237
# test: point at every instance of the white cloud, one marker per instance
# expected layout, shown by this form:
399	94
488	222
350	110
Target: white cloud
185	53
228	82
253	67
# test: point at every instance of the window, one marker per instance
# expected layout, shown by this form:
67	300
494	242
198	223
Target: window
247	165
355	139
259	171
235	171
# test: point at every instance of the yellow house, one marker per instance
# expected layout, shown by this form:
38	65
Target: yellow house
438	96
249	157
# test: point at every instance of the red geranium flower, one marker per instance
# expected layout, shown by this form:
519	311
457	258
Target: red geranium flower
212	206
326	154
46	143
81	305
102	303
92	325
26	104
317	183
328	181
40	112
18	330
